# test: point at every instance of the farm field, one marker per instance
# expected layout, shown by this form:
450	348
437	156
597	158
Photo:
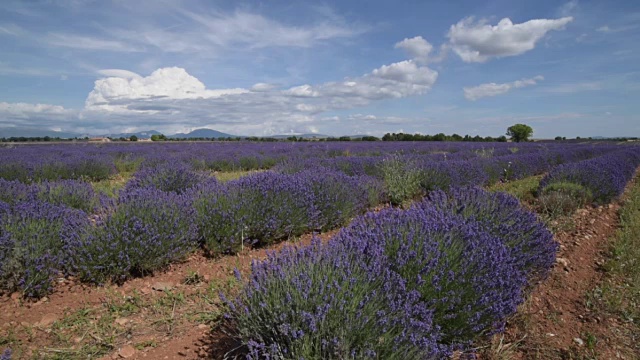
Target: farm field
318	250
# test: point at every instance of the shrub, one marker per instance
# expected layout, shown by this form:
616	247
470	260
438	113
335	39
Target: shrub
336	197
401	178
6	354
443	175
147	230
176	178
563	198
94	168
322	302
14	191
127	163
72	193
15	171
261	207
220	219
4	211
604	177
36	244
530	244
462	273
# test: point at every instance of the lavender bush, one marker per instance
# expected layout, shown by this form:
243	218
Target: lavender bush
261	207
36	243
323	302
336	198
176	178
80	166
72	193
6	354
148	230
461	272
604	177
14	191
530	244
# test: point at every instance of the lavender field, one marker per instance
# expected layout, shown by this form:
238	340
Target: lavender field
427	261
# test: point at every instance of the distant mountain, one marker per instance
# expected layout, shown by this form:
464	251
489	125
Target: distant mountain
201	133
36	132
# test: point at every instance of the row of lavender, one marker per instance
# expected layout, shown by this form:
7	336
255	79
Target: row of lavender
162	215
165	212
398	284
34	163
411	176
419	283
599	180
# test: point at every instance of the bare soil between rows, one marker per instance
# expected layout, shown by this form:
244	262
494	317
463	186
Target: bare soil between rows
559	320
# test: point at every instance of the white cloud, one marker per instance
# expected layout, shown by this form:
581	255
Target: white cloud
493	89
122	99
257	31
607	29
396	80
259	87
569	8
11	29
171	93
479	41
34	115
89	43
302	91
170	83
417	47
19	109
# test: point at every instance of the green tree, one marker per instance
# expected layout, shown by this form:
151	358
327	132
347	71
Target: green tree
520	132
133	138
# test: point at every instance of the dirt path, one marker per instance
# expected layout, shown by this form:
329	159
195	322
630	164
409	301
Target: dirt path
560	320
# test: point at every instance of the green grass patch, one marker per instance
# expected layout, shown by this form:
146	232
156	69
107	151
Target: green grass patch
111	186
523	189
621	295
233	175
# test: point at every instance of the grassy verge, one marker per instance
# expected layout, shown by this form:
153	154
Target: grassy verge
233	175
523	189
110	187
620	294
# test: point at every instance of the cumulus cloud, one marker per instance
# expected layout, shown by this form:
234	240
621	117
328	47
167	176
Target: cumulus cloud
492	89
396	80
417	47
171	83
478	41
262	87
24	114
172	100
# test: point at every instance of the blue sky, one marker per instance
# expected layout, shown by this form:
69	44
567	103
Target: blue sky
347	67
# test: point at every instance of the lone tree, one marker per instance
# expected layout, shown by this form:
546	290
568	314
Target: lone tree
133	138
519	132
